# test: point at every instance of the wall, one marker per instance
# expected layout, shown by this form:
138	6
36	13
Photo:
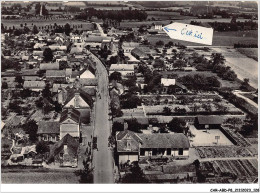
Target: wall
124	158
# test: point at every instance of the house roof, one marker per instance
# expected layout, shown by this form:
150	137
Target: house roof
210	120
34	84
164	140
85	96
49	66
88	81
138	52
130	44
72	147
168	81
48	127
55	73
70	113
158	140
121	67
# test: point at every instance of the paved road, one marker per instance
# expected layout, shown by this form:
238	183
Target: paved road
102	158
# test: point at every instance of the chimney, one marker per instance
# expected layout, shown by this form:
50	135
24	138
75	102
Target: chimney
125	125
76	99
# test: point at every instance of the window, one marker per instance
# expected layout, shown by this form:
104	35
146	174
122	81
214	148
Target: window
168	151
181	151
142	151
61	155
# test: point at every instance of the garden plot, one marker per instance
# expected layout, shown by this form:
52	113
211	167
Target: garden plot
203	138
240	168
223	152
137	112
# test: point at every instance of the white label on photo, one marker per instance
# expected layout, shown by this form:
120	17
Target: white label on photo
191	33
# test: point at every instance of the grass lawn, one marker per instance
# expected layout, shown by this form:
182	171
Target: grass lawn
249	52
224	83
34	177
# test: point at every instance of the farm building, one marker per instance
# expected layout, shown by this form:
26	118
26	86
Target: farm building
48	131
124	69
133	146
208	122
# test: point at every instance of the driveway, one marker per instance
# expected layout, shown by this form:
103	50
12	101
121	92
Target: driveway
102	158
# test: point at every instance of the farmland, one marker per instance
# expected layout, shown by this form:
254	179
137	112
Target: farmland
25	177
246	168
219	39
31	22
249	52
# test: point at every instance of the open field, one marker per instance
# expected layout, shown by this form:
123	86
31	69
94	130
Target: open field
219	39
39	23
203	138
67	177
249	52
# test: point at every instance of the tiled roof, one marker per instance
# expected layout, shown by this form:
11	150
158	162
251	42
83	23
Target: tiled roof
210	120
70	113
158	140
34	84
164	140
86	97
48	127
72	146
122	67
55	73
49	66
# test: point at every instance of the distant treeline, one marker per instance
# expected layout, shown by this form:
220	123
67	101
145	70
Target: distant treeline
238	45
117	15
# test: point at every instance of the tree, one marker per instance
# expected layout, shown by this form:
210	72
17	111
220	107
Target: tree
245	84
25	93
48	55
234	121
86	175
67	29
117	126
4	85
47	108
35	30
217	59
31	128
160	43
134	126
177	125
19	79
179	64
42	147
57	107
167	111
136	176
46	93
117	76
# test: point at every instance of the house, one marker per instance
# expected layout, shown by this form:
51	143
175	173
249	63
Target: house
48	131
129	46
88	72
49	66
170	86
65	152
55	47
208	122
111	45
70	123
139	54
78	99
56	76
34	85
134	146
124	69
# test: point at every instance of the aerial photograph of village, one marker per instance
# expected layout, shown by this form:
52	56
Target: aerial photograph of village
101	92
